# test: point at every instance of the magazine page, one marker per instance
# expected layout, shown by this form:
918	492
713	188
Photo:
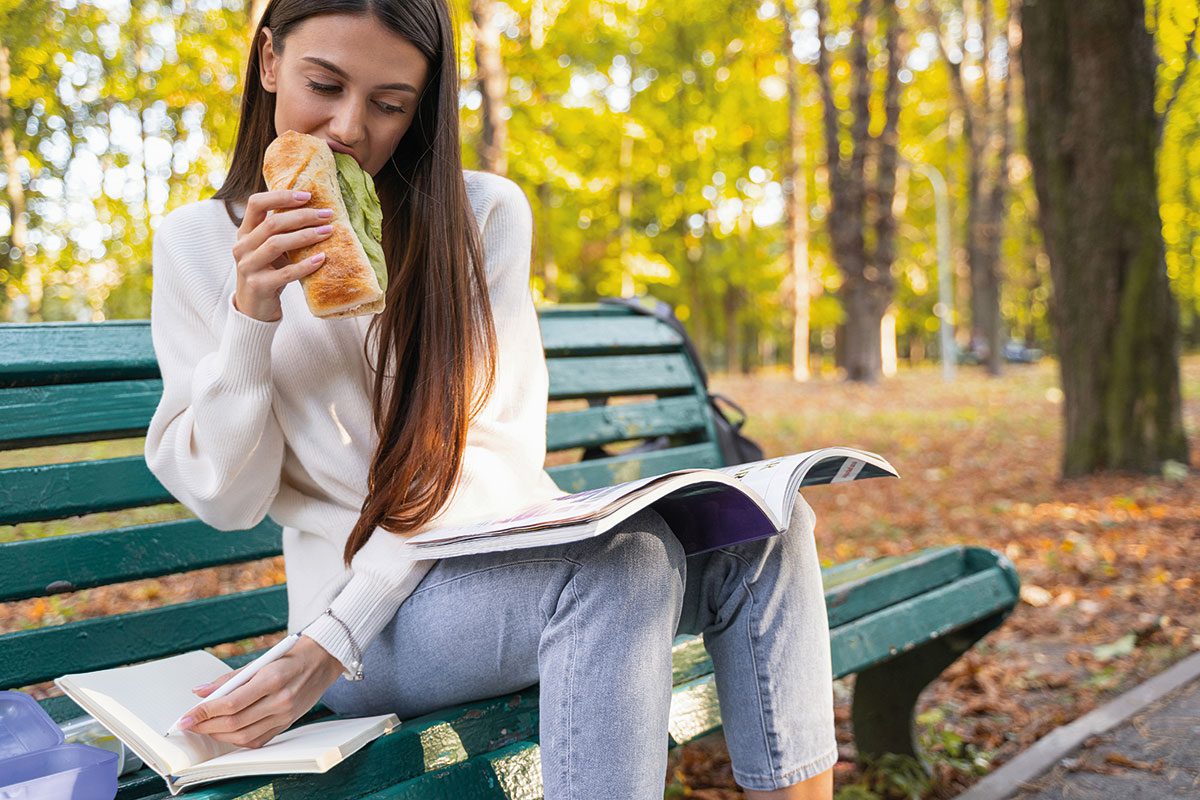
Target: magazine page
705	509
777	480
566	510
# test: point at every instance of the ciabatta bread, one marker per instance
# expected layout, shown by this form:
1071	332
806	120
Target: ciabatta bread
345	285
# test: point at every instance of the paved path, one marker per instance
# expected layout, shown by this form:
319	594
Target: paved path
1152	756
1143	745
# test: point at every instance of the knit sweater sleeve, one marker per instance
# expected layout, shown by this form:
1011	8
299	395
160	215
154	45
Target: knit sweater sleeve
213	441
506	442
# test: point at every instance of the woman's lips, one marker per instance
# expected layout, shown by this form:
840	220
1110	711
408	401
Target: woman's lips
340	148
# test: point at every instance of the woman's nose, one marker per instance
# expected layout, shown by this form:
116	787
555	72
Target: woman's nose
349	122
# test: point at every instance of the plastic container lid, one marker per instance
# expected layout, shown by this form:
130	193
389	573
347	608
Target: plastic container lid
36	765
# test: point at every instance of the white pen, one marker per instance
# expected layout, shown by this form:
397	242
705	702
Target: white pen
247	672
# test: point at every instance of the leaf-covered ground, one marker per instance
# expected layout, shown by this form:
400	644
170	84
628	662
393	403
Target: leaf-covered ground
1108	564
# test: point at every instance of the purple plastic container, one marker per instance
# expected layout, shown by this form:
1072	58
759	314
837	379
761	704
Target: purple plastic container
36	765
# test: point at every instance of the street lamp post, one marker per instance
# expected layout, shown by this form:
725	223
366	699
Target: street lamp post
945	310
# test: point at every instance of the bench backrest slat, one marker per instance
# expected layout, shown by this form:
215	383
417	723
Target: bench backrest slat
606	335
604	424
603	376
81	561
31	656
74	352
82	412
54	491
618	469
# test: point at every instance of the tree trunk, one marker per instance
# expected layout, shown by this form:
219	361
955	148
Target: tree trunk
986	135
493	85
867	284
796	203
1089	88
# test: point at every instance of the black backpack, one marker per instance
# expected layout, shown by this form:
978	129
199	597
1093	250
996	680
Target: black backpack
735	448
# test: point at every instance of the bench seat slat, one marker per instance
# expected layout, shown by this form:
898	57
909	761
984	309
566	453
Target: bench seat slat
605	424
41	654
602	376
896	579
877	637
43	415
80	561
617	469
853	593
55	491
512	772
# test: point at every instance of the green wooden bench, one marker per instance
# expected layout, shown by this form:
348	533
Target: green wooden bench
896	622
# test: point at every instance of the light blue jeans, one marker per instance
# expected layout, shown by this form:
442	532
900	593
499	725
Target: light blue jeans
593	621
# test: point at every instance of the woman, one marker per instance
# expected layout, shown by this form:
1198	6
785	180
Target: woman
267	409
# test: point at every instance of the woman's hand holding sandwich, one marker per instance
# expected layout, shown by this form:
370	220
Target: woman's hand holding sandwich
263	242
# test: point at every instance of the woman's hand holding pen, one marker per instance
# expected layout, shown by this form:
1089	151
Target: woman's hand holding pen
268	704
262	245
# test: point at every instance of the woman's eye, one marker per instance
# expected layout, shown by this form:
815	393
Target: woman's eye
327	88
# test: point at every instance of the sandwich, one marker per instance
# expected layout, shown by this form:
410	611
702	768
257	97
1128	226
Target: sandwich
352	280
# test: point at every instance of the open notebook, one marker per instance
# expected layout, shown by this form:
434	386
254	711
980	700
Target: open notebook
140	702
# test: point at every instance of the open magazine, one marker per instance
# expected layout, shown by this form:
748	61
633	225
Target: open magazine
706	508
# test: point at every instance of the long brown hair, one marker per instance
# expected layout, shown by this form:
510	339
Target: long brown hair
437	326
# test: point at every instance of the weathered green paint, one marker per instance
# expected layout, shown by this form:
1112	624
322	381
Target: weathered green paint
606	335
36	655
694	710
81	412
875	638
511	773
852	594
607	471
604	376
69	352
81	561
689	659
606	424
54	491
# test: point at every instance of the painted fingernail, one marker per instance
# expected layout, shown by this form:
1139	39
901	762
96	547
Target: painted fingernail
186	722
325	212
201	687
302	195
318	258
325	229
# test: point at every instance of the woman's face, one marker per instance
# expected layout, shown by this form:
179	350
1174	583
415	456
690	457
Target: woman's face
347	79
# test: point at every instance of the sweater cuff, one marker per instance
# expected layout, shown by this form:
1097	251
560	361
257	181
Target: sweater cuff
366	605
245	349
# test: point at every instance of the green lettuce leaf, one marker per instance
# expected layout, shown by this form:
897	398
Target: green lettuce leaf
366	215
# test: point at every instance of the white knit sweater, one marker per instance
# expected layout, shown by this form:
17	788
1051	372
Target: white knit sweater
274	418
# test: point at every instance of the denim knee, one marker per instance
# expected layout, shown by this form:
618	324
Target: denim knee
640	560
781	556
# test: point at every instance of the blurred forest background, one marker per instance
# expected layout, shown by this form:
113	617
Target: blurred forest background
656	143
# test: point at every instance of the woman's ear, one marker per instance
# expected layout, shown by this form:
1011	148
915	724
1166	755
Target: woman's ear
268	61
